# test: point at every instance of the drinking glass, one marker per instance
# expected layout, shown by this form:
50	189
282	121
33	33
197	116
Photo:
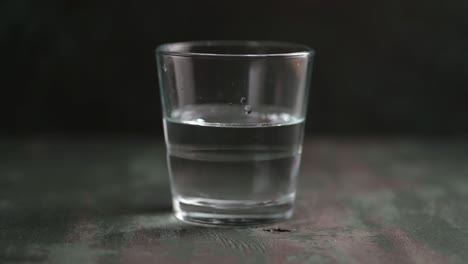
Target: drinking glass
233	114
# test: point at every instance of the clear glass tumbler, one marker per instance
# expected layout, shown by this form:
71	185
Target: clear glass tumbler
233	114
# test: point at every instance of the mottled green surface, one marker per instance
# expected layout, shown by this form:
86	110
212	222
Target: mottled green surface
108	201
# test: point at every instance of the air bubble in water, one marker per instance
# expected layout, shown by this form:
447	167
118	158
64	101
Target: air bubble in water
248	109
243	100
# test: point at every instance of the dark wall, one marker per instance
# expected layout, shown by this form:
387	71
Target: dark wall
382	67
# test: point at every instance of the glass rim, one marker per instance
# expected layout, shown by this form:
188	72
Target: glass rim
177	48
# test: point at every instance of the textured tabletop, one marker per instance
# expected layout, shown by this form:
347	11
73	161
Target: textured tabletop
108	201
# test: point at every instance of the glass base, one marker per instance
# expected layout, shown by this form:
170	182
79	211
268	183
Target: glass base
232	213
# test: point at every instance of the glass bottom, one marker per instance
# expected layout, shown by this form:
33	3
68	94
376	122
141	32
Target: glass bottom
232	212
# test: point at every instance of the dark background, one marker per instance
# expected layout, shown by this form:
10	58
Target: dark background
382	67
